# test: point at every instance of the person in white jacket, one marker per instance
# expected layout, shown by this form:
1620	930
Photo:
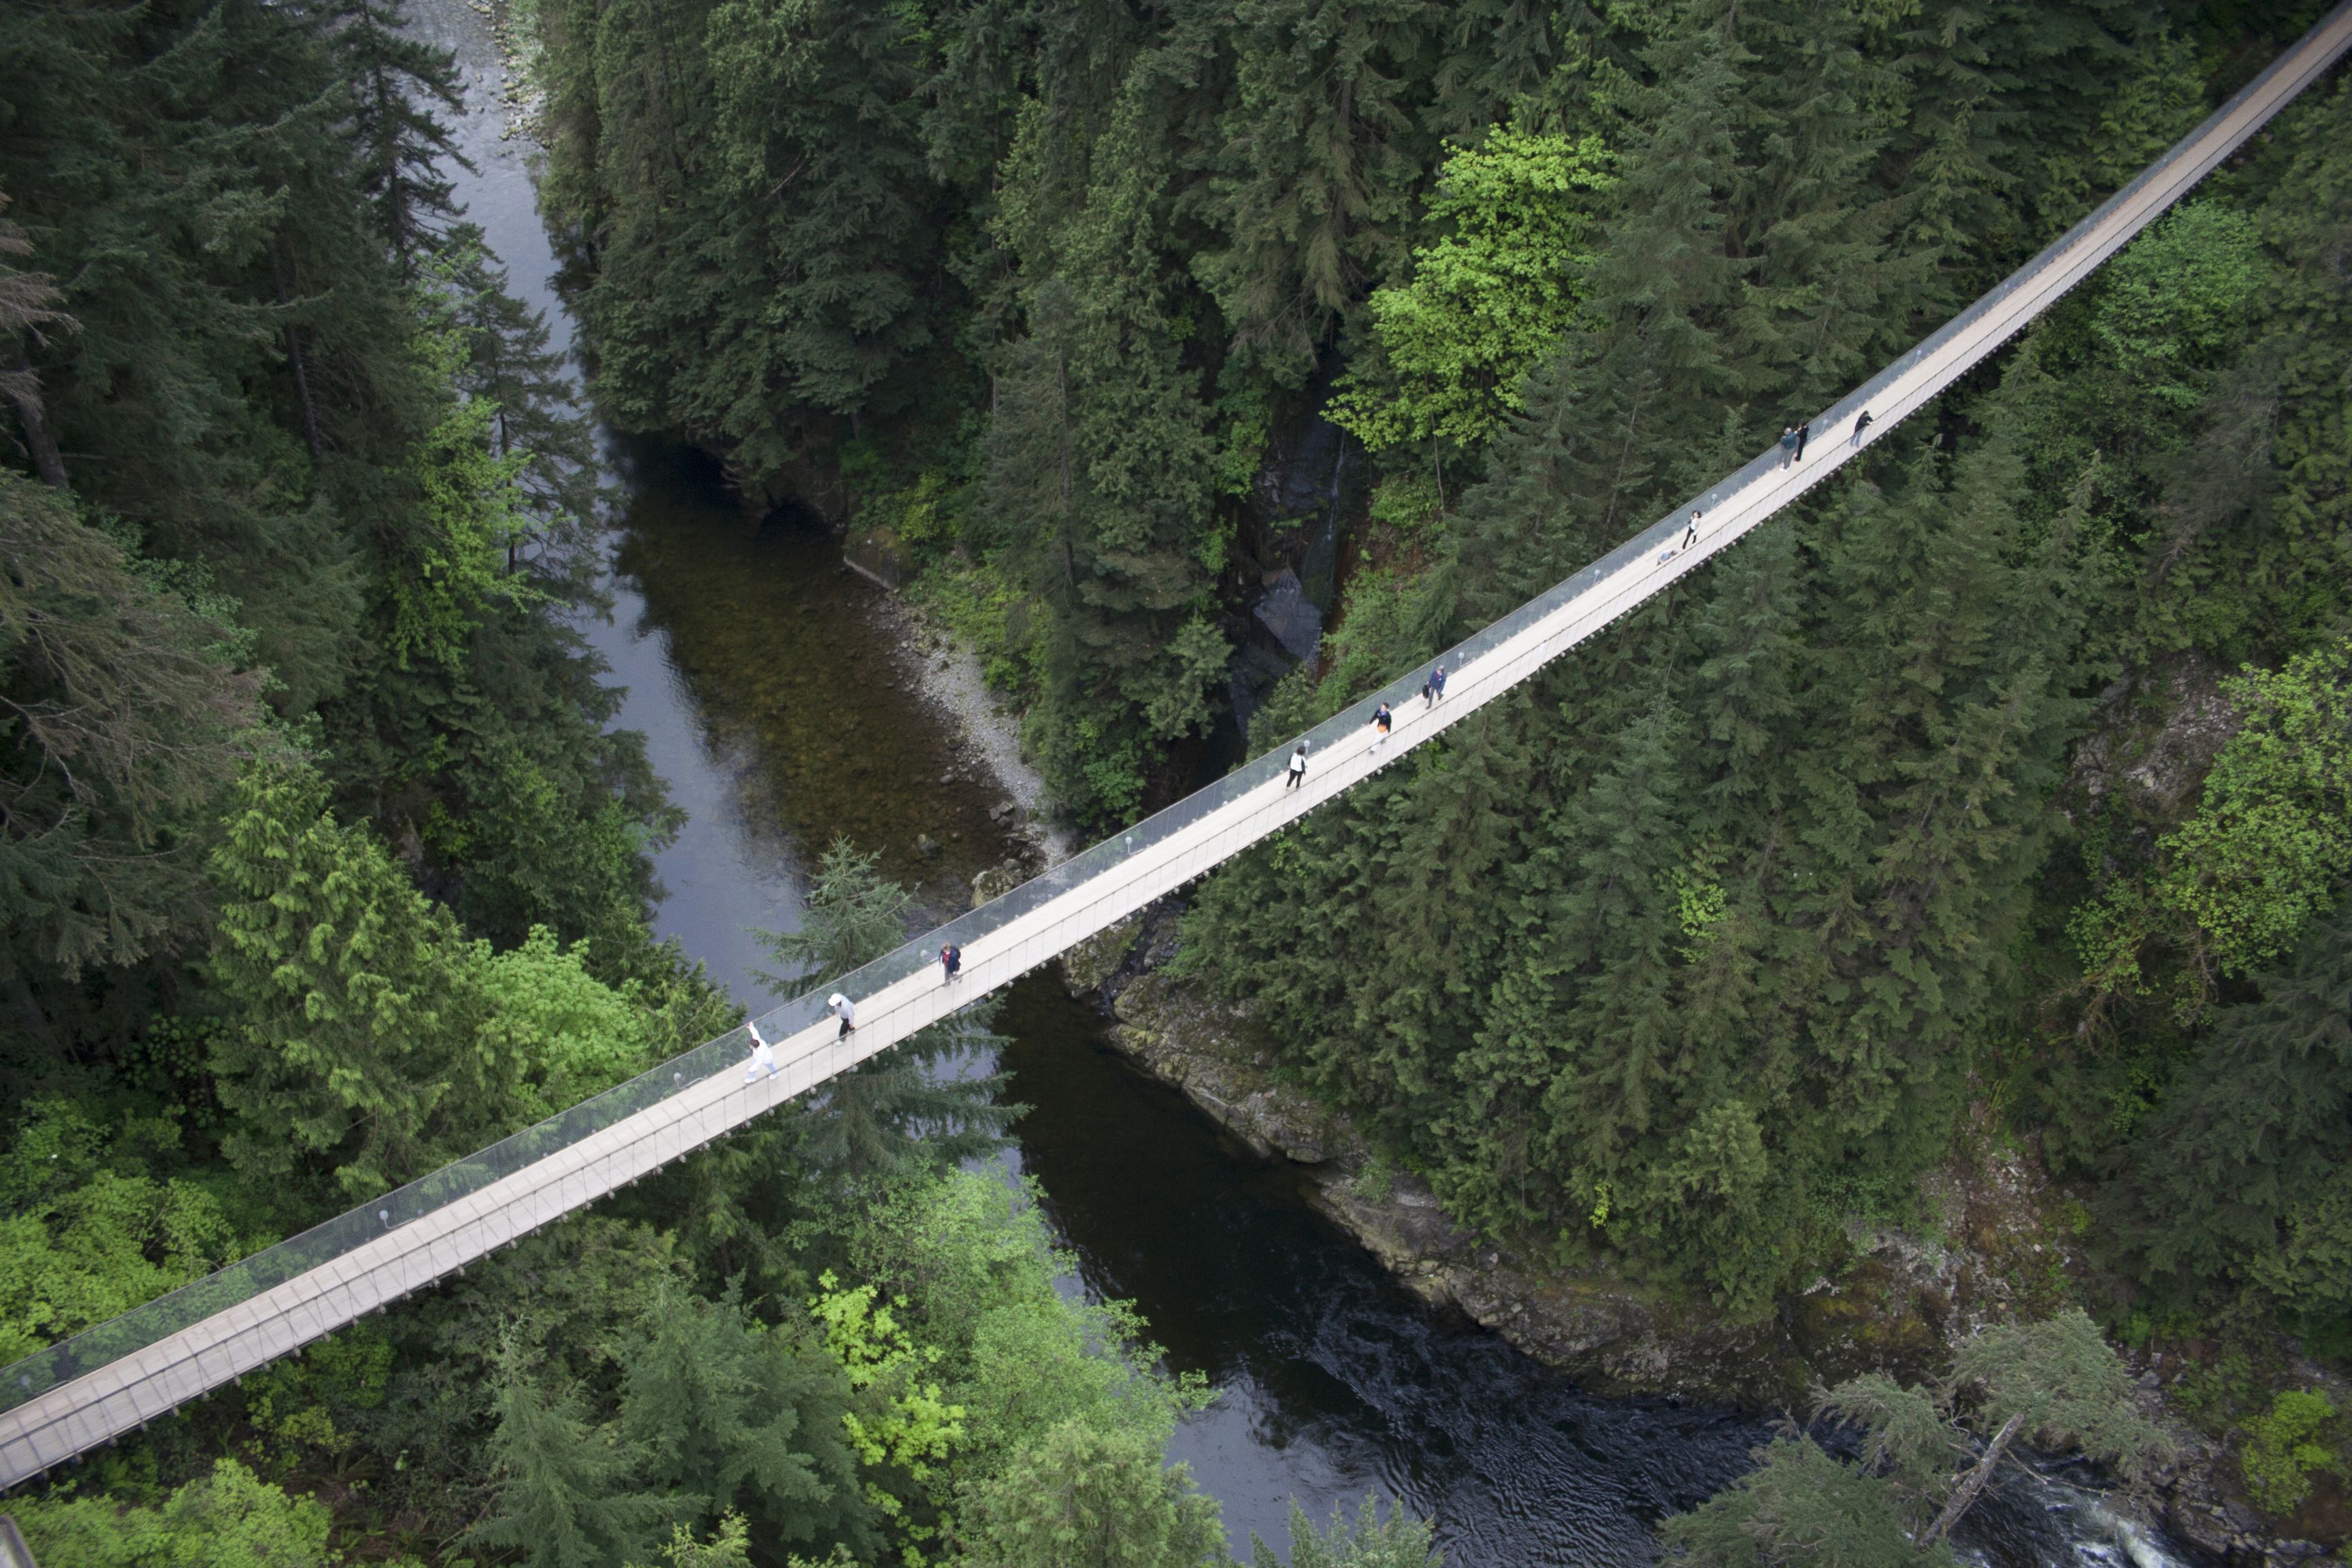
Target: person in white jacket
846	1011
761	1057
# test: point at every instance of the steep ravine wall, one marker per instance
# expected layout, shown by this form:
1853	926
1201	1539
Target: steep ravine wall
1996	1240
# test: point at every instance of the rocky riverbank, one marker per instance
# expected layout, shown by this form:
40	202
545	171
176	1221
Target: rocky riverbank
1991	1239
946	674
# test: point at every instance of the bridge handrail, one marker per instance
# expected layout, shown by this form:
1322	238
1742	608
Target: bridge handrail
2052	270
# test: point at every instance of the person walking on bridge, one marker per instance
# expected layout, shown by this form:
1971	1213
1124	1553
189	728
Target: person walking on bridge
950	963
1788	446
1690	534
1433	690
1804	434
761	1056
1381	721
1861	424
1297	768
846	1011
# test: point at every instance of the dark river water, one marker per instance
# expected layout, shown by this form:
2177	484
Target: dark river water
758	668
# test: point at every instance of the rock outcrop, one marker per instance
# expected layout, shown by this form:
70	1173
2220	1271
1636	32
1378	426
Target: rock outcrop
1987	1240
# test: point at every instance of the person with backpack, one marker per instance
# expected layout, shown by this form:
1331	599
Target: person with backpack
950	963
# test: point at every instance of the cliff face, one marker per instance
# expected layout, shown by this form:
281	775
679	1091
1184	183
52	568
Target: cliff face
1613	1335
1990	1239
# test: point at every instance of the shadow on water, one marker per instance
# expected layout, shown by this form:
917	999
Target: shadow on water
758	670
1336	1381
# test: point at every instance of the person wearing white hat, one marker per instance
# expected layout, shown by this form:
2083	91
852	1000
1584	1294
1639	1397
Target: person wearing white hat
846	1011
761	1057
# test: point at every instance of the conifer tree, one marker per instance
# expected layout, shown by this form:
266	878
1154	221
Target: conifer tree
28	301
354	1040
395	82
1315	163
2245	1180
1088	1498
1918	1471
566	1497
130	706
908	1107
731	1416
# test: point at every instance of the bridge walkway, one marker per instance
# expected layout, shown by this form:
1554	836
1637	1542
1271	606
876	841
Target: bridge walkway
111	1379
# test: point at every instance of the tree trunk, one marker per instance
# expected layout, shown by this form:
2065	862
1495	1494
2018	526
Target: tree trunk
48	461
1964	1494
302	391
295	362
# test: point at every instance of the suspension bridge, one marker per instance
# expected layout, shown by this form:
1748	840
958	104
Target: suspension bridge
87	1389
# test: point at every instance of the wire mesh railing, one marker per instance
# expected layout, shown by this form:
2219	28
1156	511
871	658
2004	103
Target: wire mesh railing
2088	241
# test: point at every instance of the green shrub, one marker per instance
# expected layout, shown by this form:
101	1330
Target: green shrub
2284	1446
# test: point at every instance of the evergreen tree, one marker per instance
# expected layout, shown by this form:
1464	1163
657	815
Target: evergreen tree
354	1040
734	1417
1917	1470
565	1495
129	706
1084	1498
508	365
393	83
28	301
2244	1179
1400	1541
906	1107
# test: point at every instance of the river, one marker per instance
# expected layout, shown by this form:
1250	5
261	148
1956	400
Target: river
737	640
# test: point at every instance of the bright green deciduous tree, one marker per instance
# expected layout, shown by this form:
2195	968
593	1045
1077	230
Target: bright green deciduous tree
575	1035
230	1518
2237	884
2285	1444
1489	298
87	1233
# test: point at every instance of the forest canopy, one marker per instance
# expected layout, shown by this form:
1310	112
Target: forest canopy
2003	785
1699	942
